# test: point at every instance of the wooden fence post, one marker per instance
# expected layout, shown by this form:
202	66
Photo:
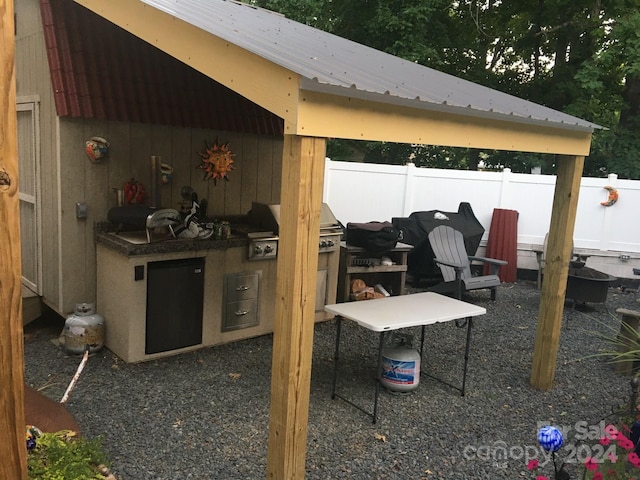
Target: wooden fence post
13	451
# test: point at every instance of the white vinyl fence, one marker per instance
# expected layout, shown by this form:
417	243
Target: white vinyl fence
361	192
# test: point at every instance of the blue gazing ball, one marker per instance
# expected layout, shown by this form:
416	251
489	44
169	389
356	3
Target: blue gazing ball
550	438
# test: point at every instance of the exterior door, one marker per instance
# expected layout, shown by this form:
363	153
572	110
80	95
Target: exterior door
29	186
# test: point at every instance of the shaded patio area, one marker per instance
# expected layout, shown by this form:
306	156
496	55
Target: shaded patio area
204	415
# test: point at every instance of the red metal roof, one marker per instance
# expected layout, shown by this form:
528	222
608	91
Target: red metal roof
101	71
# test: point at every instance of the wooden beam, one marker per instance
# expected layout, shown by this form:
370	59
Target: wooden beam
556	269
300	203
367	120
13	450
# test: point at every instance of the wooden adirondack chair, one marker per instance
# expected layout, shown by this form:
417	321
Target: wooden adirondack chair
455	263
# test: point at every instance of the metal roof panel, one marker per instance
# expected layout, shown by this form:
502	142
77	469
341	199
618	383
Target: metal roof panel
326	60
99	70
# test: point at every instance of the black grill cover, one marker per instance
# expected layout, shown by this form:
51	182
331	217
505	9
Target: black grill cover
417	226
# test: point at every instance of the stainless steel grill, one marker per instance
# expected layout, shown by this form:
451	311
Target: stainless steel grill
265	221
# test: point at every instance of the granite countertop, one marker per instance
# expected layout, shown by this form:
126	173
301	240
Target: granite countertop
135	243
169	245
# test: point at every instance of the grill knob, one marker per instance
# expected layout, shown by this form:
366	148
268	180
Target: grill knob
323	244
257	249
268	248
330	243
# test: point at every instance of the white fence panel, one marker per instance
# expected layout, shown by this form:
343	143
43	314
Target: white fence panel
359	192
532	197
438	190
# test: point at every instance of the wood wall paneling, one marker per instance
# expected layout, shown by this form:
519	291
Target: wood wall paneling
119	162
264	169
73	188
50	212
96	198
141	148
161	146
195	176
32	79
233	188
276	179
251	174
181	159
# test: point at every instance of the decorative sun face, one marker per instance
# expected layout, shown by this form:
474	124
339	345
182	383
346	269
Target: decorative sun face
216	161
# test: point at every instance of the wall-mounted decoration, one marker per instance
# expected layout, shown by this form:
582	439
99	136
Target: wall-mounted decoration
134	192
612	198
216	161
166	172
97	148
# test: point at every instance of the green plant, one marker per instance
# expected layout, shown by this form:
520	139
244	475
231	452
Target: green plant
621	340
64	455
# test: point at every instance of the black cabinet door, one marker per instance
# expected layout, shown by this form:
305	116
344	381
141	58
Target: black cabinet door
175	291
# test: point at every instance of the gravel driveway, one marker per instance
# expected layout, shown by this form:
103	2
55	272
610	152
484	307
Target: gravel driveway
204	415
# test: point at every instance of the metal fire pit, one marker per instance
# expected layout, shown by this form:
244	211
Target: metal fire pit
585	284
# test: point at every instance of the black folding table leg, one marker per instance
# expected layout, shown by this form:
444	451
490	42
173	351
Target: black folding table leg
378	376
335	355
466	354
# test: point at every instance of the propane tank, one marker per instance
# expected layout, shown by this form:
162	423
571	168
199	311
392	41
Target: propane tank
400	369
84	328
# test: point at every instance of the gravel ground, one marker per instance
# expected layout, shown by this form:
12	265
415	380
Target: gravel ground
204	415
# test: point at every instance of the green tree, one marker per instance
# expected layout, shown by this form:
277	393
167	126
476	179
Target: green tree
577	56
612	82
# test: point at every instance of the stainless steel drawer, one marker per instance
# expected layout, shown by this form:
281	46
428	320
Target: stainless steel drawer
241	300
241	286
241	314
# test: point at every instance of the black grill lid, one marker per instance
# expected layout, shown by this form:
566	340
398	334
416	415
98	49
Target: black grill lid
267	217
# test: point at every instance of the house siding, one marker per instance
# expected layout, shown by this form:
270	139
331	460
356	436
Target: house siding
33	82
69	177
256	177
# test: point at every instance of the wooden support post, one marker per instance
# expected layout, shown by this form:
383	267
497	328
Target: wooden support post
300	203
12	427
556	270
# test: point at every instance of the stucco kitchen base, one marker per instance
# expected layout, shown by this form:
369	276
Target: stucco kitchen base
122	299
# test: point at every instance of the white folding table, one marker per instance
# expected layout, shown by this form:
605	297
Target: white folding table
392	313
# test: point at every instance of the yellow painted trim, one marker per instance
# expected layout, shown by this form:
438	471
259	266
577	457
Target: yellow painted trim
323	115
261	81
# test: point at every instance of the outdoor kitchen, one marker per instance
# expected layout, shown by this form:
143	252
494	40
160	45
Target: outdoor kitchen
234	105
164	293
